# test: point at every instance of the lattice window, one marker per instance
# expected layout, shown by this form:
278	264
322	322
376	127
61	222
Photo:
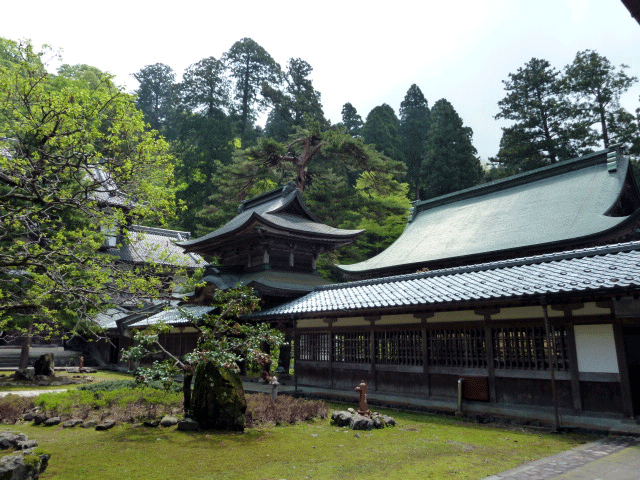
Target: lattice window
313	346
457	347
351	347
395	347
526	348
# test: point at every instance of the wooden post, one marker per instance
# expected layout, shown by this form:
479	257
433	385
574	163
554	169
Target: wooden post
551	349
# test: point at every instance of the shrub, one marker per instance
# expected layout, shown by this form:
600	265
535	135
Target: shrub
108	385
13	406
262	409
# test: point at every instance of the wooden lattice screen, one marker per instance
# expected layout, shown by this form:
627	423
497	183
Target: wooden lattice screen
351	347
526	348
395	347
457	347
313	346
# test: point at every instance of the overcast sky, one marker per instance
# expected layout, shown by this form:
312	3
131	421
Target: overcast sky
363	52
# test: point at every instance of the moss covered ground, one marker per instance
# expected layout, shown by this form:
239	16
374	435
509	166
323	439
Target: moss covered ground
421	446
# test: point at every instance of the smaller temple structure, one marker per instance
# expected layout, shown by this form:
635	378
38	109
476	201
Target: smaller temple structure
272	245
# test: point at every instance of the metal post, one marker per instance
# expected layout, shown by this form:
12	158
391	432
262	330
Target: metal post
460	396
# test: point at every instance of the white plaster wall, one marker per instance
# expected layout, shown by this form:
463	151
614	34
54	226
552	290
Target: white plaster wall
596	348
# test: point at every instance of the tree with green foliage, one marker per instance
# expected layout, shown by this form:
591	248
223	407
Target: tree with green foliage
64	146
596	85
204	87
224	342
252	68
414	127
382	129
297	105
351	120
156	94
542	132
451	163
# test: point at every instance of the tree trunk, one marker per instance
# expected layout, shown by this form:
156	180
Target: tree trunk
186	390
26	347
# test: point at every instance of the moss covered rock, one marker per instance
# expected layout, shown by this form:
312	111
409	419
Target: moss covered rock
218	400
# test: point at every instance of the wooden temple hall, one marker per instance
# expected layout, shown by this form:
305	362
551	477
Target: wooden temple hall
526	288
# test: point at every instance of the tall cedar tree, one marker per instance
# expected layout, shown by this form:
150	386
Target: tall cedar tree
542	133
351	120
596	85
381	129
252	68
205	87
451	163
414	127
156	94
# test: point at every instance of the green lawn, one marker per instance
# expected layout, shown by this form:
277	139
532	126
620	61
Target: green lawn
420	447
90	378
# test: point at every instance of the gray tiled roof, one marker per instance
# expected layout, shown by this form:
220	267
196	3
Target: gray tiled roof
107	320
608	268
291	281
175	316
551	206
282	208
157	245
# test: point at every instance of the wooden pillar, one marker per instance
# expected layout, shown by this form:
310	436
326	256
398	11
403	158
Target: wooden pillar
573	363
330	322
623	366
372	350
490	357
425	350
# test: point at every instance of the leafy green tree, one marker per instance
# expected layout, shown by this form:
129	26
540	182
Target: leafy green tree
451	163
252	68
351	120
156	94
414	127
54	139
596	85
224	342
91	77
11	52
381	129
204	87
542	132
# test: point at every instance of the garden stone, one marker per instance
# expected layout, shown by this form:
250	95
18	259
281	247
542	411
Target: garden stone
74	422
22	467
360	422
389	421
45	365
169	421
188	425
24	374
89	424
341	418
9	440
151	423
218	400
28	417
378	422
39	419
50	422
109	424
26	444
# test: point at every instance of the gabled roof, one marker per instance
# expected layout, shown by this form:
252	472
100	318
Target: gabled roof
285	283
157	245
598	270
580	202
282	210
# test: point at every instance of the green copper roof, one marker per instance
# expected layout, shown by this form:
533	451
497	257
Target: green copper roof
551	206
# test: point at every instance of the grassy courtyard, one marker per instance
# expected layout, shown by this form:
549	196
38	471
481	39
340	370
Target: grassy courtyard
421	446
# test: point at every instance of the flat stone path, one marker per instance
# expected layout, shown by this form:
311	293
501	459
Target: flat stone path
611	458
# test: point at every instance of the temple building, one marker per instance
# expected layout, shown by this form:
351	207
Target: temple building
519	297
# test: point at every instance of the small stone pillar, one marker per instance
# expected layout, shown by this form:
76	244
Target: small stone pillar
274	387
363	390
